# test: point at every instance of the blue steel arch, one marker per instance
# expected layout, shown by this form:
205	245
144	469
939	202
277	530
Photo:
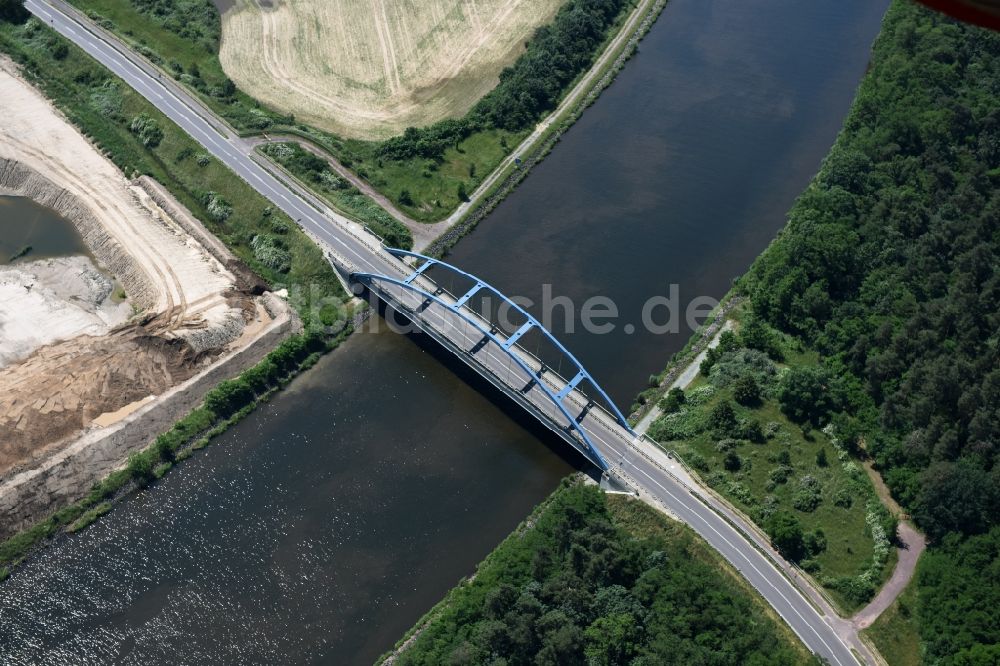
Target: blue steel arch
555	398
530	324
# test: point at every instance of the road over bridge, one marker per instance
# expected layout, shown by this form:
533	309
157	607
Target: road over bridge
594	427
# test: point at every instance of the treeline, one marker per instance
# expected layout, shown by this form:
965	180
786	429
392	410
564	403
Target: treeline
888	267
575	586
531	87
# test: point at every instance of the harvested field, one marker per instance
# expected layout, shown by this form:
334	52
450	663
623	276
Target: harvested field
71	361
371	68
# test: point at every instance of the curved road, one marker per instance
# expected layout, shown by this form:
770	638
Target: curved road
669	488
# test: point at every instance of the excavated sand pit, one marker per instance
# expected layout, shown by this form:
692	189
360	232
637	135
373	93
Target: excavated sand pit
85	380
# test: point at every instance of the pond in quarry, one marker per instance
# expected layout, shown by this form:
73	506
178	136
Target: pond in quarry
323	526
31	231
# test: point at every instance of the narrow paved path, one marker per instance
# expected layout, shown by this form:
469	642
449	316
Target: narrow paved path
911	544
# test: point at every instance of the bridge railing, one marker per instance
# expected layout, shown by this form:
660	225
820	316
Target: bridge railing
550	377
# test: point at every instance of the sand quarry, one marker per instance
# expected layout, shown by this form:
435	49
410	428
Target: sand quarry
72	359
371	68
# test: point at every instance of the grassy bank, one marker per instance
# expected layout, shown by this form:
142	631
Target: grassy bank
593	579
758	425
895	634
314	172
223	406
426	171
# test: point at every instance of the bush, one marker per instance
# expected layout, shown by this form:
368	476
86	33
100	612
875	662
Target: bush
722	418
808	394
730	368
746	391
217	207
755	334
13	11
673	401
808	497
144	127
269	251
786	535
732	462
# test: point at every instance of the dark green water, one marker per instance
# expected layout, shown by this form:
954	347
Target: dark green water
322	527
24	224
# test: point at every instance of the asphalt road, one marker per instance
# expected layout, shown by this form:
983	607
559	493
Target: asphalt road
347	240
635	466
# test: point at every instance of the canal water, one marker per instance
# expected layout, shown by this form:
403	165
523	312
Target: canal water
327	523
31	231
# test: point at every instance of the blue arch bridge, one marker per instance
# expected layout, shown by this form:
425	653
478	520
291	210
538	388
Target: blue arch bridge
495	336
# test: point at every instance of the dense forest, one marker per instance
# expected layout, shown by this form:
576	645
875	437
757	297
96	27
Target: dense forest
532	86
581	583
888	268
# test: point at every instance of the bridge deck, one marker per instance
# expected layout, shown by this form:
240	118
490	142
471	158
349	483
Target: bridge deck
557	402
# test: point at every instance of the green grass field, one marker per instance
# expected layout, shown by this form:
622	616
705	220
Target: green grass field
434	187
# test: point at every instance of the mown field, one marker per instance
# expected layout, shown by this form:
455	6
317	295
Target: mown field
592	579
368	70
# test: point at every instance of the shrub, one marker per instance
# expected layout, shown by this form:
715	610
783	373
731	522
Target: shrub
786	535
746	391
732	367
722	418
732	461
673	401
843	498
780	474
268	251
144	127
217	207
807	498
808	394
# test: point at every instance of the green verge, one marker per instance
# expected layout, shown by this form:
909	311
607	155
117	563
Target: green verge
140	140
429	171
895	633
315	173
589	578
